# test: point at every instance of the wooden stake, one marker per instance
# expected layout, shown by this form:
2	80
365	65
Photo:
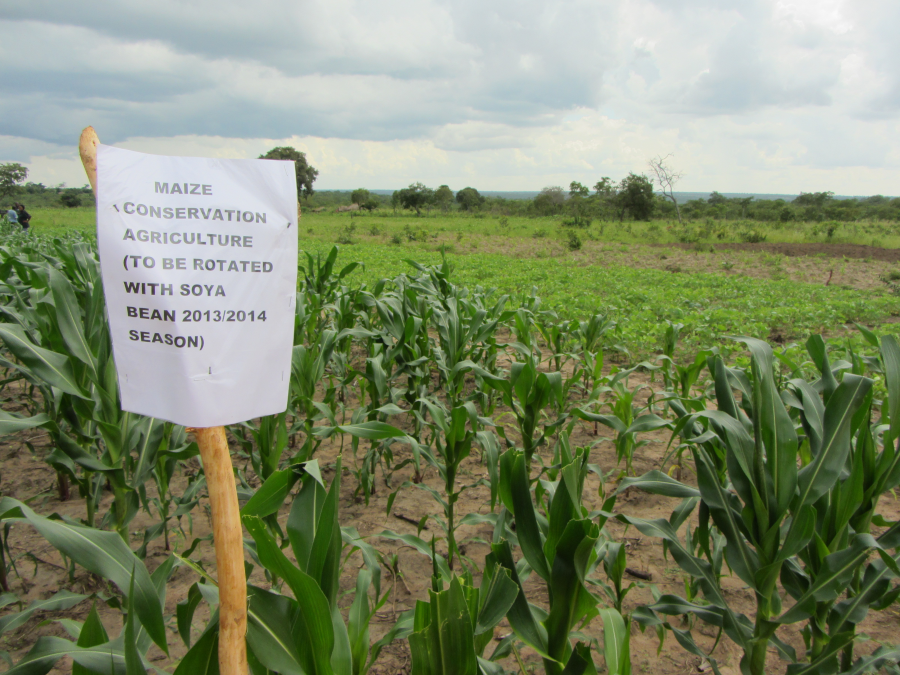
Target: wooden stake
227	529
87	148
229	541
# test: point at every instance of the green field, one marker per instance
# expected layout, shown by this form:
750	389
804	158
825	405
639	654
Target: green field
487	229
607	275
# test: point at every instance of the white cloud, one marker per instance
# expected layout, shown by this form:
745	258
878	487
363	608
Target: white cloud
750	95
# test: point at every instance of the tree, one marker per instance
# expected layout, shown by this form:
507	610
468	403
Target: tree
11	175
605	195
550	201
715	199
415	197
365	199
576	189
815	199
306	174
814	203
605	188
579	204
70	198
636	197
360	196
469	199
666	177
443	197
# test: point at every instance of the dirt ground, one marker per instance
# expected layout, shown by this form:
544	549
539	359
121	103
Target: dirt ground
41	572
821	249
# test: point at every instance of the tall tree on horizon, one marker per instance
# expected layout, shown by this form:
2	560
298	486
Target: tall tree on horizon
306	174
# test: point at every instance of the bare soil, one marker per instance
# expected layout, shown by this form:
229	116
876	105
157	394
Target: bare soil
40	571
794	250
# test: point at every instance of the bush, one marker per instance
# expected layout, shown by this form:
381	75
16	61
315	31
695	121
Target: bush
688	235
752	237
70	199
346	234
574	241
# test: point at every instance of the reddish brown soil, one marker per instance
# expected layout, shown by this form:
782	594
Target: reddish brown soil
41	571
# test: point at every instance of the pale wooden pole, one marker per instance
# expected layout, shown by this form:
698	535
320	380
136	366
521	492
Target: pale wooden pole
229	540
227	529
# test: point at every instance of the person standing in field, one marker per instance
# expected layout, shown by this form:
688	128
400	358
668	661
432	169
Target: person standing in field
11	216
24	217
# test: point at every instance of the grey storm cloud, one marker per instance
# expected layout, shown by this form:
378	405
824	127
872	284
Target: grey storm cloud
393	71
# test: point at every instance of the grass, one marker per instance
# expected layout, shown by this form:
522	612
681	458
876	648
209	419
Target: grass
57	221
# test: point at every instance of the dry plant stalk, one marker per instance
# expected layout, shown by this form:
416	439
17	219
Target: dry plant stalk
227	529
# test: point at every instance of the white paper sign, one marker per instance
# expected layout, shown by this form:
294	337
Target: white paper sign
199	265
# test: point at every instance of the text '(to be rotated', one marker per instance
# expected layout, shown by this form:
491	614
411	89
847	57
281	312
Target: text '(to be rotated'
134	262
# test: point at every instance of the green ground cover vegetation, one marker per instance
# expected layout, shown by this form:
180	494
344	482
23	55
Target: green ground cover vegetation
641	300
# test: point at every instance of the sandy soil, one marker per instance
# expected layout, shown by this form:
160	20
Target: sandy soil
41	572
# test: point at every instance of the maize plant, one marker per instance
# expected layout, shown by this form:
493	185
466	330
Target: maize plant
451	631
404	318
591	335
263	442
320	286
560	545
308	368
461	331
780	520
452	444
527	392
558	335
60	339
845	519
106	555
307	633
626	419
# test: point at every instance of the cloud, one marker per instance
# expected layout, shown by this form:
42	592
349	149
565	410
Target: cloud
515	94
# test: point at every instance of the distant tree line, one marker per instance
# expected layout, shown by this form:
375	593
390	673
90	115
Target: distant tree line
631	198
13	188
634	198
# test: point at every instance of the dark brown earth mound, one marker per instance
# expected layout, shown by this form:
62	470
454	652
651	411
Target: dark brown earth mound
891	255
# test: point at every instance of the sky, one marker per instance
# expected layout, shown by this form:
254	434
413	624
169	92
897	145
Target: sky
765	96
